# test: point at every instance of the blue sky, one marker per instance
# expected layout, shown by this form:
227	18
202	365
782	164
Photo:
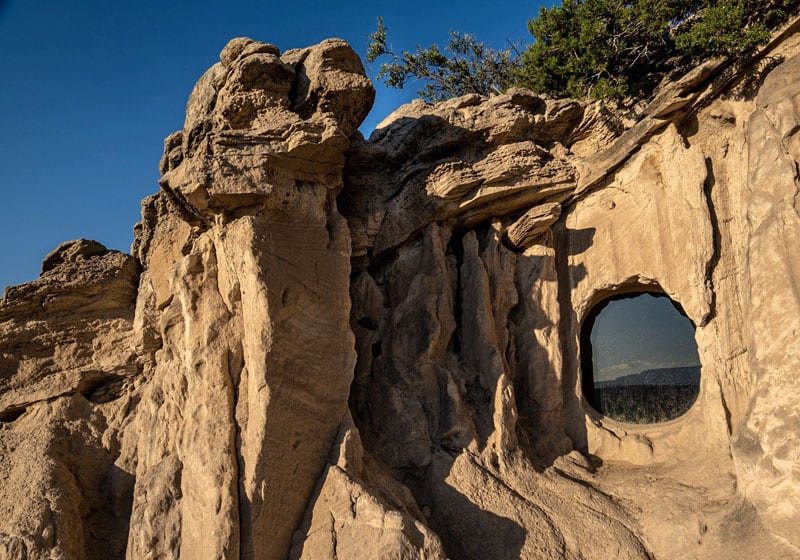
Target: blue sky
91	88
639	333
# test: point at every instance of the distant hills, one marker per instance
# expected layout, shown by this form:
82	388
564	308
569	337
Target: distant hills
684	375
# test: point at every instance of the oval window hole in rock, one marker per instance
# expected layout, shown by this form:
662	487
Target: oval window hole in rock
639	360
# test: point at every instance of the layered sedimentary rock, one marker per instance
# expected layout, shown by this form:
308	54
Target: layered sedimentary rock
325	346
68	372
250	352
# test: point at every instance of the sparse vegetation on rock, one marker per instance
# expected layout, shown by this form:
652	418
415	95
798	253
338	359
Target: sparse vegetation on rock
465	65
605	49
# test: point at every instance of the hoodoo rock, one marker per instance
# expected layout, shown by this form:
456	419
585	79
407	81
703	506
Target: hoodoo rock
326	346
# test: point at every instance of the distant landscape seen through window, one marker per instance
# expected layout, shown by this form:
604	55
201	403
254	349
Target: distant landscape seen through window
639	359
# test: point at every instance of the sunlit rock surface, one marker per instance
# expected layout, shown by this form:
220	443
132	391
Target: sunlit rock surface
331	347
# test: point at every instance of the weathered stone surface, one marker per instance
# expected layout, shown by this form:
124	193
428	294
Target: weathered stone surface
461	161
68	331
267	378
532	224
66	373
348	522
75	282
251	357
71	252
257	127
766	447
62	496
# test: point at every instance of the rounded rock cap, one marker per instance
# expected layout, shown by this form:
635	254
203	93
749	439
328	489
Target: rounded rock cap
239	46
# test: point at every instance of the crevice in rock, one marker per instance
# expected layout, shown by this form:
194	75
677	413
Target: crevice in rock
182	207
368	323
247	205
242	503
376	349
456	250
11	415
334	539
377	262
726	408
300	104
568	324
198	133
331	214
110	525
106	388
145	229
521	384
716	254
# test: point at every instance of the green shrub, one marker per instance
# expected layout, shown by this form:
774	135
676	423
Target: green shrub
607	49
465	66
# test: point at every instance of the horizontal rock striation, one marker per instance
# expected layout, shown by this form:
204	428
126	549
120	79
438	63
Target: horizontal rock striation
325	346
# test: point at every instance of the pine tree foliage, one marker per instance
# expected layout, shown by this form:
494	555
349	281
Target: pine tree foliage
464	66
623	48
608	49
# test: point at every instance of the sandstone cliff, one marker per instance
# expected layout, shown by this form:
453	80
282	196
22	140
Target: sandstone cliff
324	346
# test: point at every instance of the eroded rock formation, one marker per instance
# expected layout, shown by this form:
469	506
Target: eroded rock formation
331	347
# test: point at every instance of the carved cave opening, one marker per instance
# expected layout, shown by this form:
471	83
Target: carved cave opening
639	359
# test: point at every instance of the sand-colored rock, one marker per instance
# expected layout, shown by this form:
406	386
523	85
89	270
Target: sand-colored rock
252	357
348	522
266	377
766	447
68	370
70	330
469	159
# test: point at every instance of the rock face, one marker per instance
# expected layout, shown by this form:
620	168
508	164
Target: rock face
331	347
248	348
69	371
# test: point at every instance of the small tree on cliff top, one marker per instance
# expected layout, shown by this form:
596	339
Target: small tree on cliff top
464	66
609	49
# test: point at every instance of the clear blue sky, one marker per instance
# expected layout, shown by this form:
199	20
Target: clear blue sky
91	88
644	332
